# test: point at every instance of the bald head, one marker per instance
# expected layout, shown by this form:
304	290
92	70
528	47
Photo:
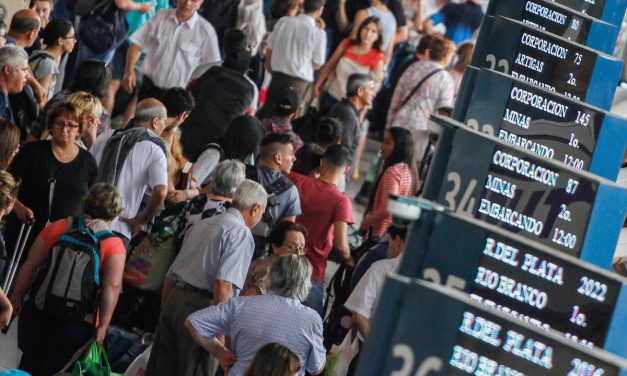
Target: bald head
151	113
24	27
24	20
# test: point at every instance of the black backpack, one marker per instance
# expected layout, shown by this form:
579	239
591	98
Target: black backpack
81	7
337	324
68	286
271	215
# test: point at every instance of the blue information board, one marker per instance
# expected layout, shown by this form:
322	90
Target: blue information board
481	176
519	277
421	329
559	20
542	122
611	11
547	60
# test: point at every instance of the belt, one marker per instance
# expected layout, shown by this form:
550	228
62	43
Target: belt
188	287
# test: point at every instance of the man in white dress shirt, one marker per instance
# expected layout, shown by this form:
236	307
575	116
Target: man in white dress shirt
176	41
296	48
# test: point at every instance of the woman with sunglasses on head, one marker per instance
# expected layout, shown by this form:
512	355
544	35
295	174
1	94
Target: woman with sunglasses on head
285	238
361	54
55	175
90	115
59	39
92	77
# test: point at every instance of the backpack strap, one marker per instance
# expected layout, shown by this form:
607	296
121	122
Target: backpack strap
279	186
418	85
37	59
77	222
104	234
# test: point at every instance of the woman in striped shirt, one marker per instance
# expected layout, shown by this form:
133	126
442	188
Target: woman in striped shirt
398	177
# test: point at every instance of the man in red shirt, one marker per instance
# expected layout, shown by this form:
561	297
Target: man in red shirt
326	213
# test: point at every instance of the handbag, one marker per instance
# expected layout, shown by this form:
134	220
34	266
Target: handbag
104	29
95	363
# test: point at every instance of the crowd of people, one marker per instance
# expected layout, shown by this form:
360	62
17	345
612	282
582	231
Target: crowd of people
226	133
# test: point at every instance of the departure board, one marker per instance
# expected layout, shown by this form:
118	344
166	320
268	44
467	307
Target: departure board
536	200
518	277
559	20
483	177
425	329
546	60
545	123
611	11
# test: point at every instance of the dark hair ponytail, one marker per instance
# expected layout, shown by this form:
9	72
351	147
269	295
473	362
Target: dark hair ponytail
403	153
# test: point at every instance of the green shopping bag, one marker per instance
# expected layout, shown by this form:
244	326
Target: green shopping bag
95	363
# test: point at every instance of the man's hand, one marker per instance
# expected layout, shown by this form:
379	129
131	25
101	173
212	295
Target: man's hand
5	316
39	92
320	23
23	213
350	261
177	196
226	359
129	81
101	333
145	7
136	225
16	305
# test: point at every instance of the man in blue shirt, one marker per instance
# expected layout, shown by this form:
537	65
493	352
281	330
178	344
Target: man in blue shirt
13	76
461	20
254	321
210	268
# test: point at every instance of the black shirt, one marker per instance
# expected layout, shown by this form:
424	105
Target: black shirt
35	166
345	112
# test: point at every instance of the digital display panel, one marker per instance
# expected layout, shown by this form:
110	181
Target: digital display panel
549	126
544	290
539	58
546	16
536	200
591	7
490	345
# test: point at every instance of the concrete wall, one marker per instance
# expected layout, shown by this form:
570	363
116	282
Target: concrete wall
12	6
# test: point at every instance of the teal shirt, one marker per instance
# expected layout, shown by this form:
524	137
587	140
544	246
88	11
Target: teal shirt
136	19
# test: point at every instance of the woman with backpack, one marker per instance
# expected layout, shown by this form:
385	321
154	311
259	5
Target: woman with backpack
70	305
60	39
399	176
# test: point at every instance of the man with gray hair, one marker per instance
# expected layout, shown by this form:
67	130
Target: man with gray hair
254	321
350	111
135	161
210	268
23	32
14	73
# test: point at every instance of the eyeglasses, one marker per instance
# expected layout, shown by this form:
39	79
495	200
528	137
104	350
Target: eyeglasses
294	247
66	124
70	37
